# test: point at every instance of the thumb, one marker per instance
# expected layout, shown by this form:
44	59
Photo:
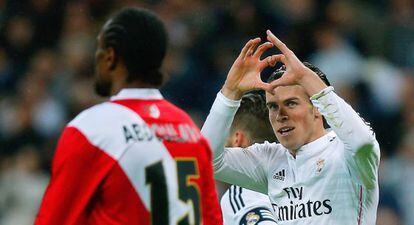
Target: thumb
265	86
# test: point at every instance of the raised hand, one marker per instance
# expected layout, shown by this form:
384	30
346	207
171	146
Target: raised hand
296	72
244	74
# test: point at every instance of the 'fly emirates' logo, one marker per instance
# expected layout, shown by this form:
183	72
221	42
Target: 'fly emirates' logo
299	208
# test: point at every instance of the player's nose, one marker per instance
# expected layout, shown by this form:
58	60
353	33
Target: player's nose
281	115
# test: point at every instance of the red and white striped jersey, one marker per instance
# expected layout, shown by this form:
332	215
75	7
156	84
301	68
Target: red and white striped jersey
136	159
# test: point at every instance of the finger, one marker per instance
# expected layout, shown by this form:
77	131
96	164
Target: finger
277	58
271	61
265	86
289	54
262	48
245	48
278	43
252	47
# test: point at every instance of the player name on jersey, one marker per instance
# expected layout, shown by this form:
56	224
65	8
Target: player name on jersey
164	132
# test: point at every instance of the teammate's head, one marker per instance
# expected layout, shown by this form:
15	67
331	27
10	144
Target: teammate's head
294	119
131	48
251	124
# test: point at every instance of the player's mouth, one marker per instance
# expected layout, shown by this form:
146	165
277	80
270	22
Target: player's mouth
285	131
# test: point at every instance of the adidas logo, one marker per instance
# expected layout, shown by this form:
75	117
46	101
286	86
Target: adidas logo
280	175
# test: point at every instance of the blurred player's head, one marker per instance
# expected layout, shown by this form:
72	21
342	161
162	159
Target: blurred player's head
294	119
131	48
251	124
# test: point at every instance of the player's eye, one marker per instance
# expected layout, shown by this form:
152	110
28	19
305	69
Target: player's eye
291	104
272	106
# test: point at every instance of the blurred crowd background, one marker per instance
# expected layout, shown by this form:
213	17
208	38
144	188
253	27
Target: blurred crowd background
366	47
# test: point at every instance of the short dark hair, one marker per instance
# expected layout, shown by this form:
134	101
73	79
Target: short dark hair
139	38
279	72
253	118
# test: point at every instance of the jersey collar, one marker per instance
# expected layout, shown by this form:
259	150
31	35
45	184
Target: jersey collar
138	93
317	145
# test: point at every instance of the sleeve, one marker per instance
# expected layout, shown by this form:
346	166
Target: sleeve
77	170
216	128
243	206
243	167
361	147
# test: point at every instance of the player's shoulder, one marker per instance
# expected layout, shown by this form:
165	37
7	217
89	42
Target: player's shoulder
232	201
269	148
240	198
103	115
241	206
176	112
252	198
114	122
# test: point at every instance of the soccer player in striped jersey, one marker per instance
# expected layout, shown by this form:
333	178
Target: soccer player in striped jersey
136	159
250	125
314	176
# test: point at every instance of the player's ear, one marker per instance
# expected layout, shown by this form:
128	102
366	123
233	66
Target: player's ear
110	58
240	139
316	113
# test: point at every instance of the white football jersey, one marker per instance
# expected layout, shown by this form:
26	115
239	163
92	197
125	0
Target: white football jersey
332	180
242	206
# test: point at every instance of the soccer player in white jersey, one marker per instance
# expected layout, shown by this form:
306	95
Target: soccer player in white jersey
250	125
314	176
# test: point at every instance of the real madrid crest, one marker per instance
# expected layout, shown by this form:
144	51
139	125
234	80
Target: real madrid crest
252	218
319	165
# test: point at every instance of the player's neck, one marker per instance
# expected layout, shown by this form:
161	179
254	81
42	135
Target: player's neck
121	84
139	84
320	133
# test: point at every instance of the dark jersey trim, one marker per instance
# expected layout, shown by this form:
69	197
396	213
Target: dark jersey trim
231	203
240	196
235	197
